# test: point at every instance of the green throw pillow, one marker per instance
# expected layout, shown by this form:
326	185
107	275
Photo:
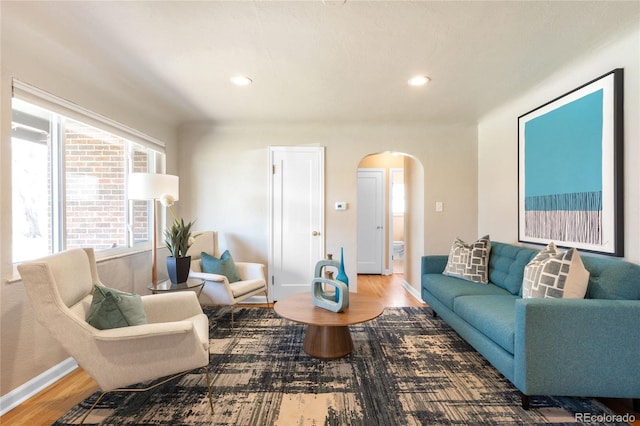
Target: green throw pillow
223	266
112	308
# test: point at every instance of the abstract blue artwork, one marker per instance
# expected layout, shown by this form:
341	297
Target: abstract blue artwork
570	169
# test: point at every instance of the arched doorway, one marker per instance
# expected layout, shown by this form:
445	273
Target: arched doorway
403	215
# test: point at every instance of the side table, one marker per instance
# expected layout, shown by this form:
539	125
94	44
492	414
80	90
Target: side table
166	286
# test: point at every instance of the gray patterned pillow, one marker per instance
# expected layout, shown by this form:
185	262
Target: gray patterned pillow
555	274
469	261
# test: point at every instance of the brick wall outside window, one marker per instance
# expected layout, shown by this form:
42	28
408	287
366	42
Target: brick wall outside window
140	164
95	207
69	183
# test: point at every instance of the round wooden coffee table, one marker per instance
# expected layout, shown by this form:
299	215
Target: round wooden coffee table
327	334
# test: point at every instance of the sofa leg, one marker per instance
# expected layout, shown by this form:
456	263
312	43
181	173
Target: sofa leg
434	314
526	401
636	404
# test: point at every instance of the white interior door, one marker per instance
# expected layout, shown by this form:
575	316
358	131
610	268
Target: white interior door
297	218
370	220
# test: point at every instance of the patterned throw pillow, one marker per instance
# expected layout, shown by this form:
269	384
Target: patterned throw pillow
469	261
555	274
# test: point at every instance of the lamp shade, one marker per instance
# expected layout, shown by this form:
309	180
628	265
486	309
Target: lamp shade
151	186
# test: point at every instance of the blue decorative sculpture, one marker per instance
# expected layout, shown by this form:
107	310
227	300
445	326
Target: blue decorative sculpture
342	275
333	302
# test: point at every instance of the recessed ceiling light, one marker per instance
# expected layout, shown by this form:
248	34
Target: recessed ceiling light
241	80
419	80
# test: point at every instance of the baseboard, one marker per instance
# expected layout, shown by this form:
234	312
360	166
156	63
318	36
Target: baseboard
415	293
35	385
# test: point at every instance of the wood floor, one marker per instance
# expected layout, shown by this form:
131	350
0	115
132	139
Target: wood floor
47	406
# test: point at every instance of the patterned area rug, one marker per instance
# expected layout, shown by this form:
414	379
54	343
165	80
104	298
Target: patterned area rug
406	369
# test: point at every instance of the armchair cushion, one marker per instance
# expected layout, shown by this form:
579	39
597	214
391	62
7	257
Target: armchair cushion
241	288
112	308
222	266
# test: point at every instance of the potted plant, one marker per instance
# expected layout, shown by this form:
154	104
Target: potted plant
178	239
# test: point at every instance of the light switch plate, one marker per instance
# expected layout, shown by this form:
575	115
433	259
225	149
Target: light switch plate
341	205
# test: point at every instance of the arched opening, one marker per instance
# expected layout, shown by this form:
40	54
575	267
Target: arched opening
391	229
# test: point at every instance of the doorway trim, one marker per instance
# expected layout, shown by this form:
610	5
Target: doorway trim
318	232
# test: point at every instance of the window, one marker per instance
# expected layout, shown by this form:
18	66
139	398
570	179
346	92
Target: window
69	183
397	198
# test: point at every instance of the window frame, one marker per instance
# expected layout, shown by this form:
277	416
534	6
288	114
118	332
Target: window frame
133	141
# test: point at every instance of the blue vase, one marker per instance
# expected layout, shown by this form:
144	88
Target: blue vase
342	276
178	268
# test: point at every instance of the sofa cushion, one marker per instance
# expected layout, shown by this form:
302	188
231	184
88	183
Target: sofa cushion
446	288
612	278
556	274
506	265
493	316
469	261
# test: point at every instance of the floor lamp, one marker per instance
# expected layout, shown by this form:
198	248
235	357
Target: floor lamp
152	186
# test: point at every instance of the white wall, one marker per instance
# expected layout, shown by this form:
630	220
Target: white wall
498	142
225	171
27	348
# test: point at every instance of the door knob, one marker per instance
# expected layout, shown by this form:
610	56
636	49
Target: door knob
315	233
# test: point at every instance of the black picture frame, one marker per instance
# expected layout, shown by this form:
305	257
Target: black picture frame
570	169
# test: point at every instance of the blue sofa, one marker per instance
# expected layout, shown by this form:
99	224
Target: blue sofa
564	347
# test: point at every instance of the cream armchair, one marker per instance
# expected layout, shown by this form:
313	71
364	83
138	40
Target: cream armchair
175	339
217	289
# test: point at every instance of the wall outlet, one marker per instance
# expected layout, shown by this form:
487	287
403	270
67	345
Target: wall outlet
439	206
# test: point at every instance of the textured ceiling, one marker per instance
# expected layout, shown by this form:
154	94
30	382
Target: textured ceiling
324	61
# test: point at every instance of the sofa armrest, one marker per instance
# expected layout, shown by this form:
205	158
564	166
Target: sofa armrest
246	270
148	331
434	264
175	306
577	347
209	277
